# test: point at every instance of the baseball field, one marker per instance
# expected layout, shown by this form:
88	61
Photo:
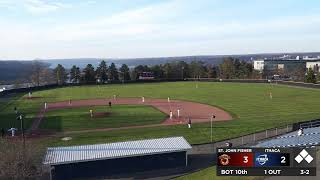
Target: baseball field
84	114
249	105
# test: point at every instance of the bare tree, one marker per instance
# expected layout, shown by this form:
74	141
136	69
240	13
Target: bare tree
41	74
35	75
18	162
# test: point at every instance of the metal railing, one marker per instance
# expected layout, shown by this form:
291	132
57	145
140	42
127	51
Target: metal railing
245	140
310	124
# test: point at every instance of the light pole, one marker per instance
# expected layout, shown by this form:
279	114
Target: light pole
20	117
182	74
212	117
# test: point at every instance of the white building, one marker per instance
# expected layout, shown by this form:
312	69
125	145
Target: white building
261	64
311	58
258	65
314	65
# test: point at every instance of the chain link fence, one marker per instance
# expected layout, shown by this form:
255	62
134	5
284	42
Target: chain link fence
246	140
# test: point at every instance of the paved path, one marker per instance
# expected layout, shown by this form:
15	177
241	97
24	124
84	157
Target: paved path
196	111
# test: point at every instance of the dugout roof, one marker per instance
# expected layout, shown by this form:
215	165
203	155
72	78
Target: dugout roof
85	153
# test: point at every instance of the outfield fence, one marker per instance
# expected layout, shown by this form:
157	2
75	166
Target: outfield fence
27	87
299	84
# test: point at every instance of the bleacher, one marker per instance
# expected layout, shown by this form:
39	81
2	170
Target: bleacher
313	123
310	137
305	131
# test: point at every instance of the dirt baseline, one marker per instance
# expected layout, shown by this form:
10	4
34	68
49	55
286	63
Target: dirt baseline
196	111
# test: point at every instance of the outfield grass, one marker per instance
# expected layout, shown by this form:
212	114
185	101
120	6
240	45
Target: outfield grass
249	103
120	116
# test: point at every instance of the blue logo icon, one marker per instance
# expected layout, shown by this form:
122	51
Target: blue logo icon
262	159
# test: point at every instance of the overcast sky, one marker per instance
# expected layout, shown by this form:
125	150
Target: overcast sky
32	29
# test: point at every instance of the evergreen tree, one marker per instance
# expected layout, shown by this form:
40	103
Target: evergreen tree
89	74
75	74
157	71
102	72
113	72
125	74
60	74
310	77
167	71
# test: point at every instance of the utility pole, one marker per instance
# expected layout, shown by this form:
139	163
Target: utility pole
212	116
20	117
182	74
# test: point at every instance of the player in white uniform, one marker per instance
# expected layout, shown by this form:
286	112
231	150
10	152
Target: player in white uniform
13	131
189	122
91	113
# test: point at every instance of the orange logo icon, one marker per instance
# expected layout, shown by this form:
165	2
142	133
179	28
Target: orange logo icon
224	159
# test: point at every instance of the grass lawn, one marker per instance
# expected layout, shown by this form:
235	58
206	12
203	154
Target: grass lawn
249	103
27	107
120	116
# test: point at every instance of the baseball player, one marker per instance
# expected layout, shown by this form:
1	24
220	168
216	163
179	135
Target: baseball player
178	112
91	113
189	122
168	99
13	131
270	95
171	115
45	105
143	99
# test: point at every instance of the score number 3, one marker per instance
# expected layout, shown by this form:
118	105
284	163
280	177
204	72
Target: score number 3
245	159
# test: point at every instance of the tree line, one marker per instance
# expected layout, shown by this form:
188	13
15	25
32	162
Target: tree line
230	68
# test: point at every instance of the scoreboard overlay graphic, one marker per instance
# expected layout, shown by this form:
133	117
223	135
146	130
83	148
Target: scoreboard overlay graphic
266	162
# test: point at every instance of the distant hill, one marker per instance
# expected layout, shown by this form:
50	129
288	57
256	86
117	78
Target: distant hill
209	59
11	70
